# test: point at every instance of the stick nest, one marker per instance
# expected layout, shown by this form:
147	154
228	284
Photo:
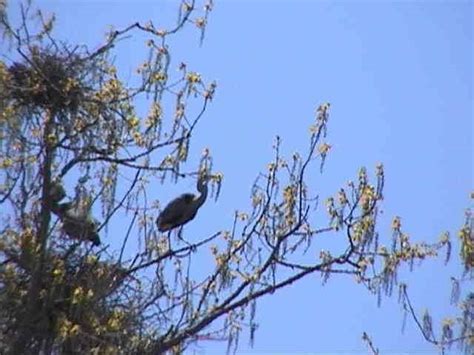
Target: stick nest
47	80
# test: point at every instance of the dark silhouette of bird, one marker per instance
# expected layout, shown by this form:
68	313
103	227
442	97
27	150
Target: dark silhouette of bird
75	216
56	193
183	209
78	222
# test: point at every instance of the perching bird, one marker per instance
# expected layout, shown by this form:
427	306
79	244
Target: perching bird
56	192
78	223
75	216
182	209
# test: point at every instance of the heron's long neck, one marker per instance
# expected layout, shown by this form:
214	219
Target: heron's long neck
202	197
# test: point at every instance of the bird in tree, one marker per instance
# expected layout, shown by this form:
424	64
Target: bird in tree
78	222
75	216
56	192
184	208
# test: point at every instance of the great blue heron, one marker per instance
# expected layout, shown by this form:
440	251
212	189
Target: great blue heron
78	222
56	193
182	209
75	216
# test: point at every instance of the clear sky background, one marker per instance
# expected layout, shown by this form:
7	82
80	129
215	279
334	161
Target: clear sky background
399	77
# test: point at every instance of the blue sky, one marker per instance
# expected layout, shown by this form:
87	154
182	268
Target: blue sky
399	78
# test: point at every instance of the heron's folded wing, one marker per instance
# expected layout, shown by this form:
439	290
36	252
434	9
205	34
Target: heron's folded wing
173	212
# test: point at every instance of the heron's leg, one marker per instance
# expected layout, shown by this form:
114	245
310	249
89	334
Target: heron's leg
180	236
169	240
